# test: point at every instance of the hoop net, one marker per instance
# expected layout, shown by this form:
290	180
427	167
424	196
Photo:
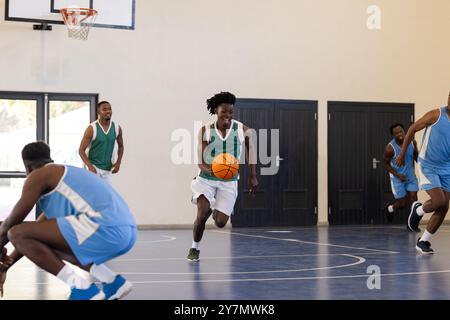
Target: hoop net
78	21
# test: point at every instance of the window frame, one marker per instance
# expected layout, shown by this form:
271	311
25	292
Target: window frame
42	115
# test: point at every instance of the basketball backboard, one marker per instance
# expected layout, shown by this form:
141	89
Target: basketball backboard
115	14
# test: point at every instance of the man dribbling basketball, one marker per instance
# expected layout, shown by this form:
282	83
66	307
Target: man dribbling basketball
211	194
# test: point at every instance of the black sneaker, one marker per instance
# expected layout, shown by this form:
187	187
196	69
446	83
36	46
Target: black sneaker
193	255
424	247
389	215
414	218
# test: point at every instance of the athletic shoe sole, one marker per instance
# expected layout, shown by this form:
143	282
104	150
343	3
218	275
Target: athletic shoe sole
193	260
123	291
99	296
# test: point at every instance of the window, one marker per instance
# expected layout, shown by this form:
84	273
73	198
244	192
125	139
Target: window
58	119
66	119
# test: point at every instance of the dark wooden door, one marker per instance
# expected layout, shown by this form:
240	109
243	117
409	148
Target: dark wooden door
358	184
289	197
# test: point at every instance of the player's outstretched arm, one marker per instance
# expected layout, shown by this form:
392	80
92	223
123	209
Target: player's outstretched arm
121	148
389	153
202	145
85	142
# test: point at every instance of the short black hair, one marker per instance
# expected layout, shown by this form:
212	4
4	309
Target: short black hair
396	125
215	101
102	102
37	152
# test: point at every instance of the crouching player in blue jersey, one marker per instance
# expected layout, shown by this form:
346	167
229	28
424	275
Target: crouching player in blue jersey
434	172
84	221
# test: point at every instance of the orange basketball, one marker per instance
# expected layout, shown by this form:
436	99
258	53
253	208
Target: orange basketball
225	166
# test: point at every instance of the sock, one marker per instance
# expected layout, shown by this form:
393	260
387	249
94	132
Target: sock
102	273
195	245
420	211
72	279
391	208
426	236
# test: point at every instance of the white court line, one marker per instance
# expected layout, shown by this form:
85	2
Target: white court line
170	238
251	257
279	231
307	242
297	278
386	227
360	260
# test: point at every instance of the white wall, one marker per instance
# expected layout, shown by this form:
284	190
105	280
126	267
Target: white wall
182	52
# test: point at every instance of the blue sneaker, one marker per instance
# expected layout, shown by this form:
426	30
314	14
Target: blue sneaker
91	293
414	218
117	289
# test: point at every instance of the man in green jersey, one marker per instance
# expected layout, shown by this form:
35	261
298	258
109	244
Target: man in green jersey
211	194
104	140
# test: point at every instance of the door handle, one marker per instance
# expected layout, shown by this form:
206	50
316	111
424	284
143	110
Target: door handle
374	163
278	159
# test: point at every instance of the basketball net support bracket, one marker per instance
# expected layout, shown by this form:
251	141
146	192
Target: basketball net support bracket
44	26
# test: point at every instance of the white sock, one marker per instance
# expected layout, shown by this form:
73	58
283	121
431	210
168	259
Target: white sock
102	273
72	279
420	211
426	236
391	208
195	245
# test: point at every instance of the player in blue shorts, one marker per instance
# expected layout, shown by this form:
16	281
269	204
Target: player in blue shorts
84	221
434	171
404	183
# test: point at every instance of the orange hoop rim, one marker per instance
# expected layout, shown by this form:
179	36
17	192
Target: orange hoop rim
84	11
79	21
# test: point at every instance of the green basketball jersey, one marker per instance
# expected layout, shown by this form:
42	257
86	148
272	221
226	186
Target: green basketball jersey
103	146
217	144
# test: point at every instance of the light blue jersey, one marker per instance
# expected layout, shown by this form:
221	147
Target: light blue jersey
434	157
399	188
82	192
408	168
435	149
93	218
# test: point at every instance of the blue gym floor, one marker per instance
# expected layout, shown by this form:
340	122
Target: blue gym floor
277	263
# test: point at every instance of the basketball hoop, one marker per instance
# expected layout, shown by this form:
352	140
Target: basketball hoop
78	21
